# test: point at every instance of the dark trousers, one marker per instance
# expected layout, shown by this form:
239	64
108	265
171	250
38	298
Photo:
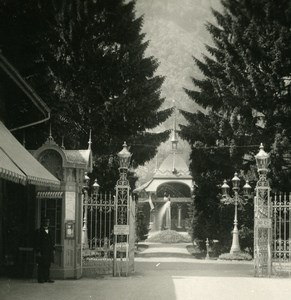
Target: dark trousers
43	271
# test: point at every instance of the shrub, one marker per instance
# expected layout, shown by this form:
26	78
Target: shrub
169	236
235	256
141	227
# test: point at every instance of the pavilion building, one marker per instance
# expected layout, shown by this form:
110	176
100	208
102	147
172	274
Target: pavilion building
172	182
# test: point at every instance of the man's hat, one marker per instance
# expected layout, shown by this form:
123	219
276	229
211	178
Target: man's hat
45	219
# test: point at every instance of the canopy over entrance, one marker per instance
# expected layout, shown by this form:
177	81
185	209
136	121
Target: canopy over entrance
18	165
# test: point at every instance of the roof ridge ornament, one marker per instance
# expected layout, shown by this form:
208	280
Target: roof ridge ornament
174	140
174	129
90	139
63	146
50	140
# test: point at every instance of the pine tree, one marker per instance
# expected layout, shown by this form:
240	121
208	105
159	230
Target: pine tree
97	77
244	89
20	26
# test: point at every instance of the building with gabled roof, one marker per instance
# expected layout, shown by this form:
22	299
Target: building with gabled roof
171	181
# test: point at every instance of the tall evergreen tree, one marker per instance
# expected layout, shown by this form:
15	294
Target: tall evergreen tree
245	90
20	28
97	77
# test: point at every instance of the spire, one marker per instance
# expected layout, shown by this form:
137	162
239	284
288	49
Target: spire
174	133
50	139
90	140
50	134
174	140
63	146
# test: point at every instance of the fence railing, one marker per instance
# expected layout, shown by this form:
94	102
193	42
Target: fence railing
281	217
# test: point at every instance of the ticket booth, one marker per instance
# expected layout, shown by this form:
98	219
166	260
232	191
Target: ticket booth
64	206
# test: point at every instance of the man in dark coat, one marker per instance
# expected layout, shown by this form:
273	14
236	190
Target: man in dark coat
44	250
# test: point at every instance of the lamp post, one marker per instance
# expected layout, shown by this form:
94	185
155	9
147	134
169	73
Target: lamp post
86	201
235	247
207	249
262	217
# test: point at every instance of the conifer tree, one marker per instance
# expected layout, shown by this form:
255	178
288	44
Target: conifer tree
245	90
97	77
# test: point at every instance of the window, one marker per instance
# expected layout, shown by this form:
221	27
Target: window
52	209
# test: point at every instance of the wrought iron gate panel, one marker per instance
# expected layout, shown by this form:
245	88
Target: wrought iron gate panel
98	238
281	227
281	230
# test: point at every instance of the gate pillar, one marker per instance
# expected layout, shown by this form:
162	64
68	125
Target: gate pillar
262	218
122	230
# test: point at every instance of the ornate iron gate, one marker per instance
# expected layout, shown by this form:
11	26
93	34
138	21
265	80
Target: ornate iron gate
108	226
98	238
281	228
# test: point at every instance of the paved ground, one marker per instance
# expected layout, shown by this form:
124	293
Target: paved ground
159	278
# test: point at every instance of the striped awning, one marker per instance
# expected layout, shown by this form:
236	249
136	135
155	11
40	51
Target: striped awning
49	195
18	165
9	171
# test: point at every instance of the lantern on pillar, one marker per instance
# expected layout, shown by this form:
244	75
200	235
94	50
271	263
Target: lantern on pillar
95	186
124	157
86	181
262	160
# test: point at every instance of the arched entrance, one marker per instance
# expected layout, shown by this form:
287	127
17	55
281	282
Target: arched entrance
175	196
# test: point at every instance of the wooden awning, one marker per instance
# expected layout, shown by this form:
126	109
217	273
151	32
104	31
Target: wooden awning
18	165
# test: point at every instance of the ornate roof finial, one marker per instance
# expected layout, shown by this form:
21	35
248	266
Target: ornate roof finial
90	140
50	139
50	136
174	134
63	146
